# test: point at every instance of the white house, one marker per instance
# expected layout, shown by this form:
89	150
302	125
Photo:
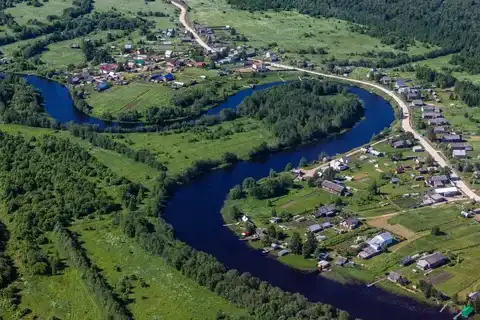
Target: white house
447	192
381	241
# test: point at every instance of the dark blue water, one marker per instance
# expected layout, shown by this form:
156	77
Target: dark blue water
194	210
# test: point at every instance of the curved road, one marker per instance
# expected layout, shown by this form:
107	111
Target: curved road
460	184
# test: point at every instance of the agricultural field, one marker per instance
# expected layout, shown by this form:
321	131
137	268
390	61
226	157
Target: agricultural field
179	150
291	31
167	295
135	96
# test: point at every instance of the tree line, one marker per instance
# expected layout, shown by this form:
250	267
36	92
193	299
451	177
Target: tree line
101	140
303	111
113	307
21	103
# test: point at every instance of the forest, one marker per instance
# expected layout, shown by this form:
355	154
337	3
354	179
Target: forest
452	25
21	103
46	184
303	111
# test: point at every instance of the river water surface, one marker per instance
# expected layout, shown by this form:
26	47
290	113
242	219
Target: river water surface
194	210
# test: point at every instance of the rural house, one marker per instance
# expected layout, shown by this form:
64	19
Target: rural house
437	181
417	103
350	223
439	130
396	277
449	138
334	188
432	261
326	211
314	228
459	154
460	146
437	121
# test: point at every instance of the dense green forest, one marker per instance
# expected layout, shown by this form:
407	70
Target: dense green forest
450	24
302	111
21	103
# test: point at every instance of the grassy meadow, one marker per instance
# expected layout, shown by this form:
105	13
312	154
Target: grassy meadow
168	294
23	13
179	150
291	31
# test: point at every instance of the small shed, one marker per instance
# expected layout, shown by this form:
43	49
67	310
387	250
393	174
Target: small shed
467	312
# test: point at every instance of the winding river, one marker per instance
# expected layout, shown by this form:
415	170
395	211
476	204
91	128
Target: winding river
194	210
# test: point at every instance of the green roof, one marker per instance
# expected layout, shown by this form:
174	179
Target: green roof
467	311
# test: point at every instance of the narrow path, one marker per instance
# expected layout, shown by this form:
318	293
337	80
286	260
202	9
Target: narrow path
460	184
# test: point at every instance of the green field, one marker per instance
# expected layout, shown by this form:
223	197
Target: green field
178	151
135	96
169	295
290	30
23	12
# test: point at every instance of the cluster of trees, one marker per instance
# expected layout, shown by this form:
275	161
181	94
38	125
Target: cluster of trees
303	111
273	186
7	269
21	103
113	306
67	29
94	53
468	92
99	140
45	182
442	80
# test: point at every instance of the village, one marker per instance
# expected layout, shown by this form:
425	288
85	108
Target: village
163	61
345	202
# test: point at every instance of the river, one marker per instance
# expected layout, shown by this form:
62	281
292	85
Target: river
194	210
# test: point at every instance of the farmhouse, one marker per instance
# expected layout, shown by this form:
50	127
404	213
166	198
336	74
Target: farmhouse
417	103
381	241
314	228
402	144
460	146
396	277
447	192
333	187
400	84
437	121
350	223
326	211
449	138
437	181
432	261
439	130
459	154
431	115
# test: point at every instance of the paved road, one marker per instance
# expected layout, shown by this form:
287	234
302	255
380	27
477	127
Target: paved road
405	122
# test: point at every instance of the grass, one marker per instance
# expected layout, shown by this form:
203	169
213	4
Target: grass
169	294
135	96
121	165
60	54
179	150
23	12
290	30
